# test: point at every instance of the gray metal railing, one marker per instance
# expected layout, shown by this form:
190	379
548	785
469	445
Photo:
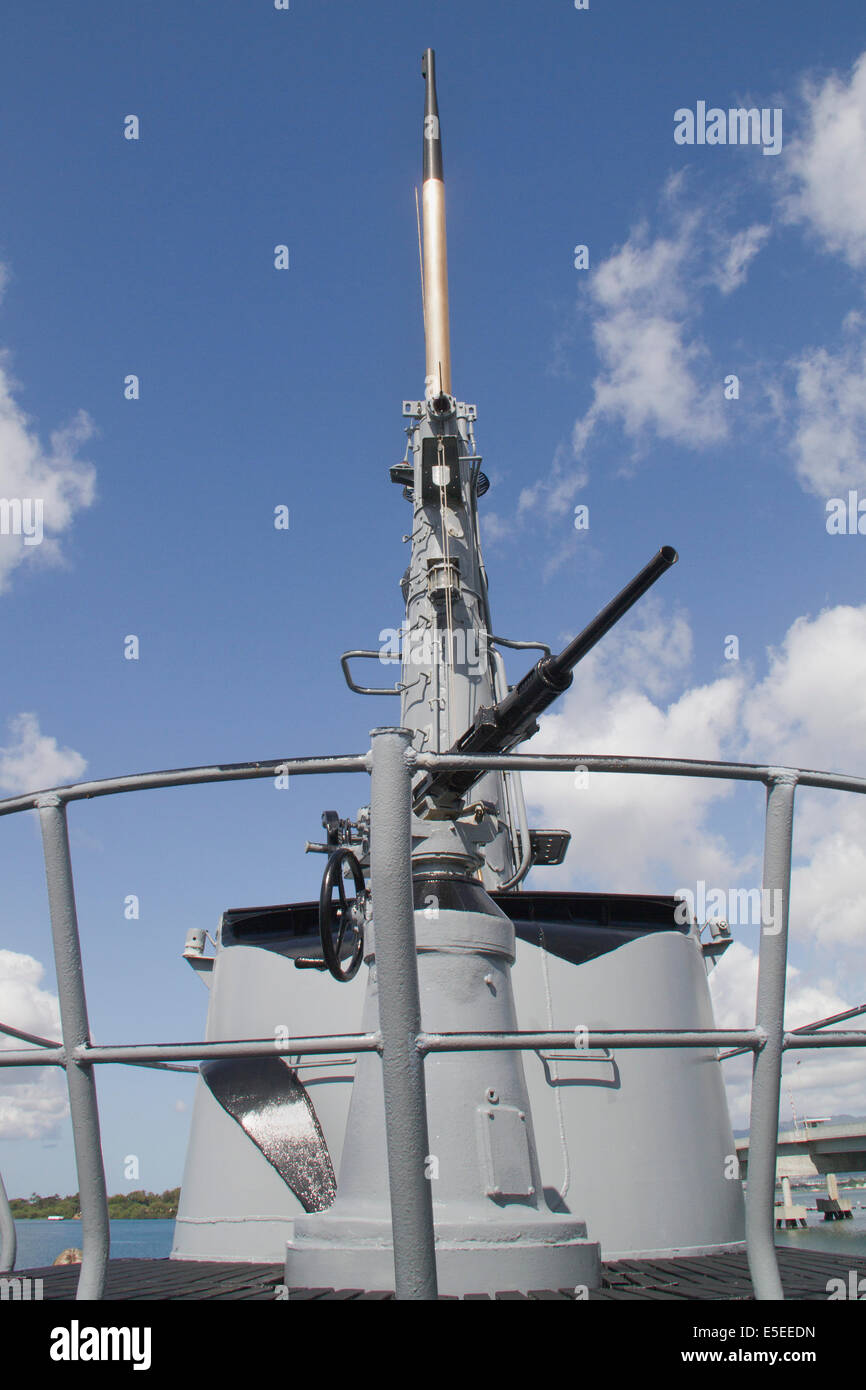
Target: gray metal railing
400	1040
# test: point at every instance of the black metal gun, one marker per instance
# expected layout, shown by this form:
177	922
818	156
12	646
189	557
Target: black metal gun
499	727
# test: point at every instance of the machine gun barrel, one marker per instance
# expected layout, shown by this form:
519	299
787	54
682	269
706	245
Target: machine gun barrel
498	728
604	621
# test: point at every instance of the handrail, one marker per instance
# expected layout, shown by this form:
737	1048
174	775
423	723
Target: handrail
400	1038
188	777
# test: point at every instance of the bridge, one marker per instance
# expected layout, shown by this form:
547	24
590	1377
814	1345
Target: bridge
815	1147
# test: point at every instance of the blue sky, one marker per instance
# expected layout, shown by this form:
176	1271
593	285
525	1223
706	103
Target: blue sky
258	387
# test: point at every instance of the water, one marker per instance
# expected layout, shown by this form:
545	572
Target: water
833	1237
40	1241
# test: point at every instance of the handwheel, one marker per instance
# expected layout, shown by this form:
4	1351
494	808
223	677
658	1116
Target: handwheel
337	916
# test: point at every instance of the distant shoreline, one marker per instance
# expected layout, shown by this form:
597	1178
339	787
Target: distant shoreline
122	1206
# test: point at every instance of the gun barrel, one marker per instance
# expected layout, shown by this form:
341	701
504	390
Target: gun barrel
557	666
499	728
436	325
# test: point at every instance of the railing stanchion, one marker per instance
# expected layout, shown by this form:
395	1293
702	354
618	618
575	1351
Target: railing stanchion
400	1016
8	1234
80	1078
767	1066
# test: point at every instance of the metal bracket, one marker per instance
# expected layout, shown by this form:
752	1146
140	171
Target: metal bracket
520	646
366	689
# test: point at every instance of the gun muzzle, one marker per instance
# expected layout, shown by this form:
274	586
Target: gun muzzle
436	328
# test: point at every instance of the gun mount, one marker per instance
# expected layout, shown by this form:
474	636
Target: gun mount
482	1140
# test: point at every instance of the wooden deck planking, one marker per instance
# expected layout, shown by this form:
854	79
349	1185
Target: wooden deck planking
713	1278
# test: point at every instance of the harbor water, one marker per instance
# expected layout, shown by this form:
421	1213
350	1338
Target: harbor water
833	1237
41	1241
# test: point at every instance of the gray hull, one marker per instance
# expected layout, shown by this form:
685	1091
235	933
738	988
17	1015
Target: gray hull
635	1144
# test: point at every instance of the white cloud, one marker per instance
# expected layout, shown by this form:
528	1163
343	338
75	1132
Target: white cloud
656	375
495	528
52	482
660	822
812	1083
634	833
829	437
555	493
33	760
741	251
827	888
810	709
33	1101
825	165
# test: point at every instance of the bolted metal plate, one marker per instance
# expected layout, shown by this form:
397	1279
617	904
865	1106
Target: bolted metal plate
503	1147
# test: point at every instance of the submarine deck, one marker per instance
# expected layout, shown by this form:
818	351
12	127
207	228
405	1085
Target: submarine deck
805	1274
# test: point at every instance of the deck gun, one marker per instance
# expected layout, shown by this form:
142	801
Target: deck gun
497	728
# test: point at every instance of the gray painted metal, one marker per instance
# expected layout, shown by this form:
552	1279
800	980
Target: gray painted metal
400	1016
186	777
8	1234
84	1055
145	1053
590	1038
656	767
80	1080
359	762
767	1066
233	1203
811	1028
850	1038
638	1136
492	1222
365	689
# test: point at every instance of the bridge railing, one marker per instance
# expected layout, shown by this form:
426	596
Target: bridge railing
400	1039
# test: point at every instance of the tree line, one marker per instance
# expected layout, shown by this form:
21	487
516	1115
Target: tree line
123	1206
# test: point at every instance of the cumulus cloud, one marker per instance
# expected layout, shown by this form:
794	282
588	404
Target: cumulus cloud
732	269
821	188
33	760
808	1080
829	411
656	376
633	696
810	708
633	834
555	493
619	704
810	711
41	489
825	164
33	1101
